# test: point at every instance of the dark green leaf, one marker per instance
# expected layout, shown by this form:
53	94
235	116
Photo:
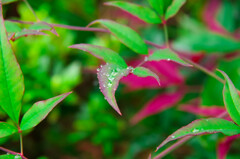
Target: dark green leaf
39	111
144	72
174	8
7	129
103	53
126	35
166	54
143	13
204	126
11	78
231	99
109	76
8	1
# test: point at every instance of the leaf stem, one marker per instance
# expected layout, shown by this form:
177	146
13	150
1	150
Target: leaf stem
30	7
21	142
166	33
12	152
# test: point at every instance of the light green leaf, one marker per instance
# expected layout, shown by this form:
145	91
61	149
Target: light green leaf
7	129
7	156
103	53
166	54
144	72
158	5
174	8
205	41
109	76
143	13
231	99
126	35
12	27
8	1
39	111
11	78
43	26
204	126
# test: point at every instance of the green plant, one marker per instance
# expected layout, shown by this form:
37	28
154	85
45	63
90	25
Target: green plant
116	68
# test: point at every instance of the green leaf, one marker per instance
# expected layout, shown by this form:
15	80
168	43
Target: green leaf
103	53
39	111
166	54
158	5
126	35
144	72
231	99
43	26
174	8
11	78
143	13
8	1
7	156
196	42
12	27
7	129
204	126
109	76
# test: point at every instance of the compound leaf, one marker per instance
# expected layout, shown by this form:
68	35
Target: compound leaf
7	129
174	8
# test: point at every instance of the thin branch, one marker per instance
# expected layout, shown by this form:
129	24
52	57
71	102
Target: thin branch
12	152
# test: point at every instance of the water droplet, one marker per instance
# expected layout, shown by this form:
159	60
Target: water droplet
173	136
168	59
195	130
98	69
146	58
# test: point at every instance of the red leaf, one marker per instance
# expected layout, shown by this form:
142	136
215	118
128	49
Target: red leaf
168	73
212	111
224	146
157	105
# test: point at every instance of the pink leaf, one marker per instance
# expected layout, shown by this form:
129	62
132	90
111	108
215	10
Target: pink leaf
157	105
109	76
210	14
168	73
224	146
212	111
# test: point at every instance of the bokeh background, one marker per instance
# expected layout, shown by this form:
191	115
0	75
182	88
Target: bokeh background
84	125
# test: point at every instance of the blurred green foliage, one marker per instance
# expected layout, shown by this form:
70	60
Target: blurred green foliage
84	125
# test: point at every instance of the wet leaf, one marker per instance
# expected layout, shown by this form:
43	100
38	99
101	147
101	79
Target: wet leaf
204	126
143	13
39	111
126	35
109	76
